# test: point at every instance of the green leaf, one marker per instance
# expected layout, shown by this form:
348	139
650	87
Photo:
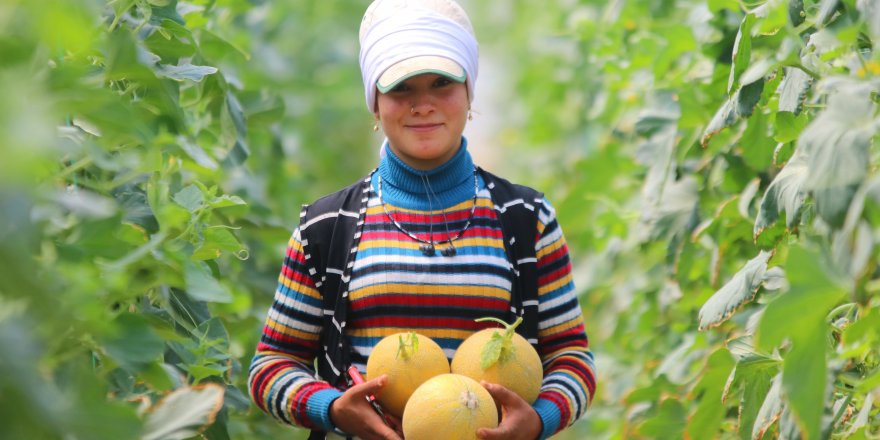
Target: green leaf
673	213
653	391
772	15
788	126
739	290
718	5
668	422
864	415
742	52
770	410
788	427
866	328
408	345
740	105
757	146
796	13
190	197
183	413
813	293
216	48
171	41
827	8
492	351
793	90
166	10
836	145
662	111
185	71
202	372
869	10
216	240
756	388
134	342
226	201
785	194
202	286
804	377
706	420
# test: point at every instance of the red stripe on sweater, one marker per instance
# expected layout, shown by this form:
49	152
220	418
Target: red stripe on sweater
300	399
472	232
562	404
555	275
553	256
297	277
295	255
576	369
556	341
262	378
416	322
430	301
421	217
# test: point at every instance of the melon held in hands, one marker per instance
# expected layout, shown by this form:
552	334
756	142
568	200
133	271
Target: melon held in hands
449	406
409	359
504	357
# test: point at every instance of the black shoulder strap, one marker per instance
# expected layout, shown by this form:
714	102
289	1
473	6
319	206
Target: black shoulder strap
330	229
518	207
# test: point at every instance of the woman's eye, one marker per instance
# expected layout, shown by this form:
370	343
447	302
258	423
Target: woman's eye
402	87
441	82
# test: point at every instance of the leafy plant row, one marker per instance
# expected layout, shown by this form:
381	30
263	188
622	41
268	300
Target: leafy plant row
727	224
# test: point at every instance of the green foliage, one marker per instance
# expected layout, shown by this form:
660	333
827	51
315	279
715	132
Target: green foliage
155	153
714	165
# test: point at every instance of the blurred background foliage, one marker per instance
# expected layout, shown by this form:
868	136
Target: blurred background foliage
713	163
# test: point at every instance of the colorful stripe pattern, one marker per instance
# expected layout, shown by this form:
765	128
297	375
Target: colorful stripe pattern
394	288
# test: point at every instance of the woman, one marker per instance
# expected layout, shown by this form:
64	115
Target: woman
427	242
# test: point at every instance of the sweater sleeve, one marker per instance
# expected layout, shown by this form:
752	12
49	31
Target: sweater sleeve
569	375
281	379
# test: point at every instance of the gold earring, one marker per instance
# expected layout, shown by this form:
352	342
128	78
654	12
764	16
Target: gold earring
376	125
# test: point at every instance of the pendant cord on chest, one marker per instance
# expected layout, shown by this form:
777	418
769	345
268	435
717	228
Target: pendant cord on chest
428	247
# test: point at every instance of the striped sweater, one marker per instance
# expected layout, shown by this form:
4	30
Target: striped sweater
394	287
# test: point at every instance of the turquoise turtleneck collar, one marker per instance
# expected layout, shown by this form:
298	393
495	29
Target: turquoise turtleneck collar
405	187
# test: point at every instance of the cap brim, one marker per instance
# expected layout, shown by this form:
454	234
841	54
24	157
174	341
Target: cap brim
417	66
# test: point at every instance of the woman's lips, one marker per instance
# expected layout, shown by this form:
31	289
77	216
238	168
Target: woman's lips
423	127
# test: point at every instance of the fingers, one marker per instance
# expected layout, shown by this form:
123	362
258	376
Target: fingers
371	386
519	420
501	394
498	433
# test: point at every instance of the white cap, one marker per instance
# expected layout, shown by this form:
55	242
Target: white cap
403	38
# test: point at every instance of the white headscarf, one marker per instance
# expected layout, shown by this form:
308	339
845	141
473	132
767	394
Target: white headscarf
412	31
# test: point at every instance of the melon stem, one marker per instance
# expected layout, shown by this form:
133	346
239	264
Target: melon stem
500	347
508	328
413	345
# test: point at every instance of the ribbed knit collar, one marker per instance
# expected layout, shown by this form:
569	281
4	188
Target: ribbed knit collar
403	186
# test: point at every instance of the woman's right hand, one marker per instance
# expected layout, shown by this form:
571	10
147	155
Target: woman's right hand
353	414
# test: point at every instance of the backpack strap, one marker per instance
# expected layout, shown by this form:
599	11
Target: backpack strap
331	229
518	207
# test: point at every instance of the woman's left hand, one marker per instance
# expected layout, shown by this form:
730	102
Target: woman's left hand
518	419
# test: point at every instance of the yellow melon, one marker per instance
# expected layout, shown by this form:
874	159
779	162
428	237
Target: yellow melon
501	357
449	406
409	359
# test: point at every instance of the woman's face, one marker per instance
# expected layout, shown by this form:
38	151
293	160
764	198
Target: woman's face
423	118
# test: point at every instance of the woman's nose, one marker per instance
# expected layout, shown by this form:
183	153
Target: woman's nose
421	104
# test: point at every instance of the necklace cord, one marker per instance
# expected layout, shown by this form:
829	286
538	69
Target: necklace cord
451	249
428	192
428	246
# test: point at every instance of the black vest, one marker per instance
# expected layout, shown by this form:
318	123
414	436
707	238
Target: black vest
331	228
